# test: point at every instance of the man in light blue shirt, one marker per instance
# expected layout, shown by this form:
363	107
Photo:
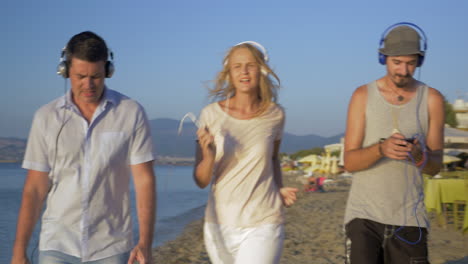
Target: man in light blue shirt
81	151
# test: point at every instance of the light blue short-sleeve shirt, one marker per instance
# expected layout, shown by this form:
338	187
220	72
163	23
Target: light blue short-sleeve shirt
87	213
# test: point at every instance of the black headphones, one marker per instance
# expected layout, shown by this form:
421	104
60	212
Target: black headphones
62	68
383	57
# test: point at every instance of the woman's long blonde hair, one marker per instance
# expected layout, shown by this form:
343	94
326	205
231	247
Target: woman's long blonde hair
268	85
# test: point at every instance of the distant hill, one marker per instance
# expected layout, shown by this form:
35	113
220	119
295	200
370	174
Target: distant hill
168	143
292	143
12	149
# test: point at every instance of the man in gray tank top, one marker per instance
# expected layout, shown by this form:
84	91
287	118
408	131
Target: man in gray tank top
394	131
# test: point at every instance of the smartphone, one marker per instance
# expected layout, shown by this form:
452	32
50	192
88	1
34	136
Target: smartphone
409	140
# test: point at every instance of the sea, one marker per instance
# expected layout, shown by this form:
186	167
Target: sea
179	202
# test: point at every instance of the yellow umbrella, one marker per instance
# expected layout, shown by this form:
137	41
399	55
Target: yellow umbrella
312	168
310	158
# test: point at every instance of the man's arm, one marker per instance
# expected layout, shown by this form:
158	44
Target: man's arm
435	134
355	157
394	147
145	189
35	191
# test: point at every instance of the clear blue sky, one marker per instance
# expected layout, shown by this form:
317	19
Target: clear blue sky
166	51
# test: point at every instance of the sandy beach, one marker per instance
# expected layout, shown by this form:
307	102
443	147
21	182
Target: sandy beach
314	233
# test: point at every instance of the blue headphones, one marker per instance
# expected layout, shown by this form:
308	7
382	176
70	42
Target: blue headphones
383	57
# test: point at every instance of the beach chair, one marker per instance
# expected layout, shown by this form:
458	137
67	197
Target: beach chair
459	207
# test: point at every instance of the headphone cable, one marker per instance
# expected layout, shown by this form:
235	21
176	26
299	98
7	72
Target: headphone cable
420	191
52	169
419	175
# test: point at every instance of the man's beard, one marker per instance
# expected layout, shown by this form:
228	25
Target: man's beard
404	80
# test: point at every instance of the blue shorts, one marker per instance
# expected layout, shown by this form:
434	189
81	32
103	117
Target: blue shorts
57	257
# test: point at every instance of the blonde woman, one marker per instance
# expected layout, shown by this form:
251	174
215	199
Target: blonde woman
237	152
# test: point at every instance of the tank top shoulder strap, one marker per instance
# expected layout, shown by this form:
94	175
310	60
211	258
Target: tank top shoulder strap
373	96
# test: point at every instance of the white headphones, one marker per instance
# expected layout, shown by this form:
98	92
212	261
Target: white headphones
62	68
260	48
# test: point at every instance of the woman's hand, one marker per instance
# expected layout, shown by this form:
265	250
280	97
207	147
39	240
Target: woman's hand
206	142
288	195
204	158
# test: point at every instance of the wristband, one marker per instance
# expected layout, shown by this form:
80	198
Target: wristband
380	146
424	156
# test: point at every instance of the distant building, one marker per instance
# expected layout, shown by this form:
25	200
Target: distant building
455	140
337	147
460	107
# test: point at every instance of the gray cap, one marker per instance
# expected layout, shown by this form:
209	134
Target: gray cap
402	40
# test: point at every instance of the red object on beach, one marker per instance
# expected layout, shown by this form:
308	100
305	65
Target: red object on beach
318	185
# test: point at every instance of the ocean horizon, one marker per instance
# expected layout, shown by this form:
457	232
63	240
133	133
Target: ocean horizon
179	202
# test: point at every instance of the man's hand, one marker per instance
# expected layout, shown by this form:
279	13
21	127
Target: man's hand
417	153
145	190
20	259
142	254
35	190
396	147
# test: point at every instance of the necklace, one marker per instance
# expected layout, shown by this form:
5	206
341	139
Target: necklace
400	97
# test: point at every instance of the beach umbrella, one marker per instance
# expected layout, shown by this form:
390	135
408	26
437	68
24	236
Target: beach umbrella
447	159
312	168
334	165
309	158
454	152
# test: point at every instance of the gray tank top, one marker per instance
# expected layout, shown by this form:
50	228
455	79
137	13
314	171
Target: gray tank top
391	191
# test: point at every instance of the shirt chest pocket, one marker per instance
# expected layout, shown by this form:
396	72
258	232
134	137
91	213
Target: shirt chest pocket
112	146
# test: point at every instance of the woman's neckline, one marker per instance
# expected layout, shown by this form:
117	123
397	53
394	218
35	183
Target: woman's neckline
220	108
